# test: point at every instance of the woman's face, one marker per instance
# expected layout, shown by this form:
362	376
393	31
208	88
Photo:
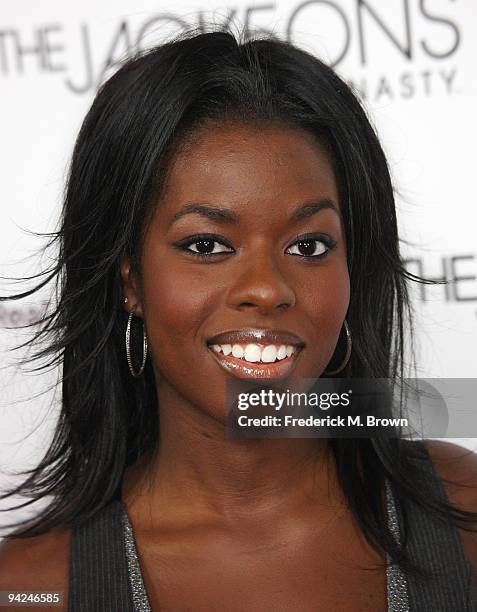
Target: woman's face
258	276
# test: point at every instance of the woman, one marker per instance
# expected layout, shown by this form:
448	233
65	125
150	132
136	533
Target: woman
221	195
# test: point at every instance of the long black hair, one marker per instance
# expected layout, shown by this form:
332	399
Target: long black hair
109	419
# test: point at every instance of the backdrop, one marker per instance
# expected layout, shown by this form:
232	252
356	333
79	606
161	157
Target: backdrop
411	61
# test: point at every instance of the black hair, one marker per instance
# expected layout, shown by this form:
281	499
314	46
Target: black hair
109	419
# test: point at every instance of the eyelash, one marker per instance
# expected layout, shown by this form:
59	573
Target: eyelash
184	244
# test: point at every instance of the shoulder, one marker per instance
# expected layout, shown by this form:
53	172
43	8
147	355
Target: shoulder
456	466
39	563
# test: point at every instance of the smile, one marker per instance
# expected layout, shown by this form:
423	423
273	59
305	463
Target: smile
254	360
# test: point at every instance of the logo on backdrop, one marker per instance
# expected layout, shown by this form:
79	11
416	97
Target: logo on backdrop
459	272
421	40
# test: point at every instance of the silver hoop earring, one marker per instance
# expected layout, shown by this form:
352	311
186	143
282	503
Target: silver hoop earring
348	352
128	346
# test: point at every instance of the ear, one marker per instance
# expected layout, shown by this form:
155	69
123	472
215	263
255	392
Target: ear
130	287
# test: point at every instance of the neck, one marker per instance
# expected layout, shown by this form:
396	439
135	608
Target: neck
197	474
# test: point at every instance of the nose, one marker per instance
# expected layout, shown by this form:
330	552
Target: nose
260	285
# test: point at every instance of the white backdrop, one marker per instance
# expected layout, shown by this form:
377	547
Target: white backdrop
413	63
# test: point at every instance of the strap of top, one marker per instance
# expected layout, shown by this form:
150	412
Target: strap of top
139	595
98	568
397	594
436	545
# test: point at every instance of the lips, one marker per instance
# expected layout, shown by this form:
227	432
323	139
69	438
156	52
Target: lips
257	336
244	369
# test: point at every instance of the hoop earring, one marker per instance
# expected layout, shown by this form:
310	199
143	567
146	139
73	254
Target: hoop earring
128	345
348	352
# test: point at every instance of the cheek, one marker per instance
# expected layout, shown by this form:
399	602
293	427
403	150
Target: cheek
326	300
329	295
177	299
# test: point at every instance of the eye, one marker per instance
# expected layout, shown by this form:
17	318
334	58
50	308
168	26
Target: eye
204	245
313	247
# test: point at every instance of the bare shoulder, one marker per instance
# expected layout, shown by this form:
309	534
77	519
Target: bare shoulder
39	563
457	469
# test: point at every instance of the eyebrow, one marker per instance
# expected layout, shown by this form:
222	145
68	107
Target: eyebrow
223	215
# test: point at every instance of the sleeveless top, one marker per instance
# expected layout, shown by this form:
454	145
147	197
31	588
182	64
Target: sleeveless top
105	574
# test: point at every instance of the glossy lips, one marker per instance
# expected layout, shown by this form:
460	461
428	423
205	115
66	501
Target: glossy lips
287	345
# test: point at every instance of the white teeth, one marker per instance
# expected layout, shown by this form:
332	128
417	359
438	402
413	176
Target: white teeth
252	353
237	351
255	353
269	354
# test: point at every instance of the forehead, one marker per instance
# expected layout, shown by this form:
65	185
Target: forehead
249	168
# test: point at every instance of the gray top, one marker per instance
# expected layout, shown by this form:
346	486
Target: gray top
105	574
